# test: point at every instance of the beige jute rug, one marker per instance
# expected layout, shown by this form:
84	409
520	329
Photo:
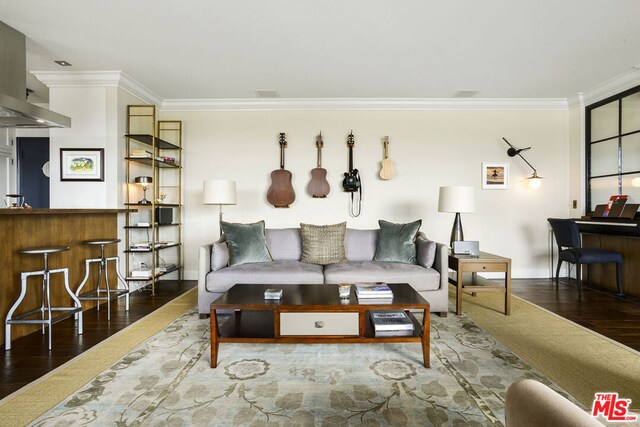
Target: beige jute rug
581	361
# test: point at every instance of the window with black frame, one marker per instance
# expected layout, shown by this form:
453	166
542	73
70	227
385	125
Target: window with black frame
613	149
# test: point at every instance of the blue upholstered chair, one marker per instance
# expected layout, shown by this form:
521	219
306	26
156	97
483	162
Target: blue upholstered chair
570	250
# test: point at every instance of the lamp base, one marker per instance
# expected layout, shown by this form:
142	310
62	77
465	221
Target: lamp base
456	232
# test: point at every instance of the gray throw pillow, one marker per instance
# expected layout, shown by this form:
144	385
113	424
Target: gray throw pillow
426	252
219	256
246	243
323	244
397	242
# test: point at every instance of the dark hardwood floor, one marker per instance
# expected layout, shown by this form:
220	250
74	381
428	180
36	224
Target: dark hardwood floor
29	357
601	311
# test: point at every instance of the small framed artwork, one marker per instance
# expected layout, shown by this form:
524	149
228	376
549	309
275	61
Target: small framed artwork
82	164
495	176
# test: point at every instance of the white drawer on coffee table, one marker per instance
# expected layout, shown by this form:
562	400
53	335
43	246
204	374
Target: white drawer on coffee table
319	323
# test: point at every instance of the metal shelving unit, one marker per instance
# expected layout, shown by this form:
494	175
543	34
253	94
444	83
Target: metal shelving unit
154	148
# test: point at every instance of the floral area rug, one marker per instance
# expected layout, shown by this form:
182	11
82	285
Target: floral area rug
168	381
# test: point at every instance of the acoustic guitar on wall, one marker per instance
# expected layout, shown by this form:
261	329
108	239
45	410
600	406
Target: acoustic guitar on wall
318	186
281	193
386	171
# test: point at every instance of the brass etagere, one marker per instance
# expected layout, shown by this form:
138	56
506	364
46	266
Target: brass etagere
153	150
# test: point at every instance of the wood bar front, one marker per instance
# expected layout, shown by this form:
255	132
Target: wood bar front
25	228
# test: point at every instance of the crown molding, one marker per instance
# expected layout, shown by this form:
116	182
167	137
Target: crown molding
341	104
97	79
613	86
576	101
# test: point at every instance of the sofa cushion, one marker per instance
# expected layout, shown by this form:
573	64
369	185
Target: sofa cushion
360	245
420	278
426	251
268	273
284	243
323	244
397	242
219	255
246	242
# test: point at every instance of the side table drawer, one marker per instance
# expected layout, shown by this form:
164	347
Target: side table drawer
319	323
485	266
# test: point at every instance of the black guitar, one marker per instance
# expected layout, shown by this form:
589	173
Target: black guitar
351	182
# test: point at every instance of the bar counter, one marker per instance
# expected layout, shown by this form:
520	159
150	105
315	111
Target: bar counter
25	228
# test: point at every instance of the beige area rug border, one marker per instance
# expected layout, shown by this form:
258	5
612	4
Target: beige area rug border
579	360
34	399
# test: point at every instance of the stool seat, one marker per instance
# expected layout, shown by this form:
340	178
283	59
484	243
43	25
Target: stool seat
101	241
44	250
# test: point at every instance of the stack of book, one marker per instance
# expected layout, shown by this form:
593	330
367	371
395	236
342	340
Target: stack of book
391	323
373	293
140	153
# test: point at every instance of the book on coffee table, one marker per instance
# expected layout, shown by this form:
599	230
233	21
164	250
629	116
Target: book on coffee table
390	320
373	290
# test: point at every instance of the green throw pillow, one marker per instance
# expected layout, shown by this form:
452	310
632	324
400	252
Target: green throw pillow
323	244
397	242
246	243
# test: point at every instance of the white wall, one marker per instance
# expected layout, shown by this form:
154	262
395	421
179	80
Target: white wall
429	148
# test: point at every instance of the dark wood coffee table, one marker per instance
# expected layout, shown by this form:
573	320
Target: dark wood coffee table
310	314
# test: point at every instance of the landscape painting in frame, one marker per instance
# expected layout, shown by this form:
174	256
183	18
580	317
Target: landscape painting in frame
495	176
81	164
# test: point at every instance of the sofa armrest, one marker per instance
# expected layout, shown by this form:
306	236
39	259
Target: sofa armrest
204	264
441	264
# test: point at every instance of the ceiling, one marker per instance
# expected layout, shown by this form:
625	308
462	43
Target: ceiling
212	49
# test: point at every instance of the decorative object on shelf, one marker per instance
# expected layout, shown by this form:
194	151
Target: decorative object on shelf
144	181
456	199
219	192
161	198
82	164
386	171
351	183
318	186
281	193
534	179
495	176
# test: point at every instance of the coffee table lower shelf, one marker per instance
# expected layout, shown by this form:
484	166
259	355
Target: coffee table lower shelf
263	326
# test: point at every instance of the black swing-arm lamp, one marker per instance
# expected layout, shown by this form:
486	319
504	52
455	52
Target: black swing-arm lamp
513	151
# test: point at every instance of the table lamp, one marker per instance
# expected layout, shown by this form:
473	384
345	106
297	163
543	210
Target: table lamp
219	192
456	199
144	181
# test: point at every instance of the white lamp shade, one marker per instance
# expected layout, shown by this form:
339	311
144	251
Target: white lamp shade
219	192
456	199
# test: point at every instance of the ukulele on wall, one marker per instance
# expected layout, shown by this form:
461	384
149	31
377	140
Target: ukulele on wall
281	193
318	186
386	171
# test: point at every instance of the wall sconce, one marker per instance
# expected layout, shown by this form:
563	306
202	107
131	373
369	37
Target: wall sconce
144	181
534	179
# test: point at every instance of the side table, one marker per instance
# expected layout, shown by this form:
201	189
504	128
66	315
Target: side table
465	277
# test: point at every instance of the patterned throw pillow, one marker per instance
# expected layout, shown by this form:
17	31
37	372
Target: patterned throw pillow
397	242
246	243
323	244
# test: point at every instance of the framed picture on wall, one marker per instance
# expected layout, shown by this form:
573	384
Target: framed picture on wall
495	176
82	164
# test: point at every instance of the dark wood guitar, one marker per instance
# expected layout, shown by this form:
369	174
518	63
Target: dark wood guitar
318	186
281	193
351	181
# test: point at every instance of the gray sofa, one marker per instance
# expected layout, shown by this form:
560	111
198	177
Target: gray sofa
285	247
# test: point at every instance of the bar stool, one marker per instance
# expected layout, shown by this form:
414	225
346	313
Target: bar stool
45	307
107	294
